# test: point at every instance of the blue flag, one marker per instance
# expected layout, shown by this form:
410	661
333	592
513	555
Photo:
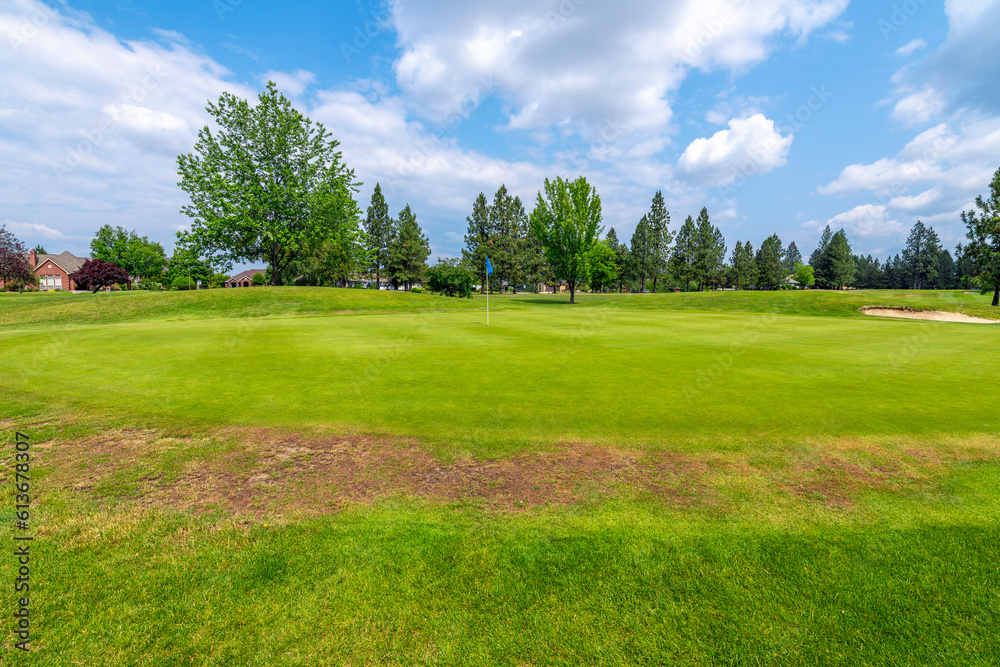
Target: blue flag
489	267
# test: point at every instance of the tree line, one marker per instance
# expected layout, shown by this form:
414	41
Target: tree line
270	185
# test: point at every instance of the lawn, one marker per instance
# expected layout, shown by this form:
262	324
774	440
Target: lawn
308	476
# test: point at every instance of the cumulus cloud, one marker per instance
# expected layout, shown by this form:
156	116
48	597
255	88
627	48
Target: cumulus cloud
910	47
750	146
864	221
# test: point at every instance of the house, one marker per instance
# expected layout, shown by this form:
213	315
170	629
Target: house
550	288
54	271
244	278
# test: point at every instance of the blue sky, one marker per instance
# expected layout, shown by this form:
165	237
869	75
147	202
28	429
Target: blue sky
777	115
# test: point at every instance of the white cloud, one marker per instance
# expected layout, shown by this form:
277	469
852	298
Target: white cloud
749	147
292	84
919	108
910	47
867	221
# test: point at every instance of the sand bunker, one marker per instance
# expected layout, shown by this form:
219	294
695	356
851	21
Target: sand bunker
932	315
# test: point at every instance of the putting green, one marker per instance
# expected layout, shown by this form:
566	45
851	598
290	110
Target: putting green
534	376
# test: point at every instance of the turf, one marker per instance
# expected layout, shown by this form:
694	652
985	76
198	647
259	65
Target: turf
781	479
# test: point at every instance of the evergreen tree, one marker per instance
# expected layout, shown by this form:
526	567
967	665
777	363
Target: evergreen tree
378	230
710	253
824	242
477	240
837	263
792	257
642	252
983	233
770	261
743	266
684	255
509	226
622	258
408	251
946	271
659	221
921	256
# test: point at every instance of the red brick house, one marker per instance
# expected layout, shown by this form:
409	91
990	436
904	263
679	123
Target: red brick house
243	279
54	271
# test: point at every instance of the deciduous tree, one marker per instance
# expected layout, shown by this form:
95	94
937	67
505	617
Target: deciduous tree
567	221
14	266
96	273
257	187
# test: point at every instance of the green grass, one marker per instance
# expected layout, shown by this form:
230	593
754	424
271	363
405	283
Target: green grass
844	510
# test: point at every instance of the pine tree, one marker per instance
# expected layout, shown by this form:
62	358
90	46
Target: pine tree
659	221
770	263
921	256
477	239
683	257
641	252
837	264
508	226
983	233
622	258
408	251
378	228
742	264
792	257
710	250
946	270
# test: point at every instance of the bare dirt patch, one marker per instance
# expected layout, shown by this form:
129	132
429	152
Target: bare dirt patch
929	315
262	473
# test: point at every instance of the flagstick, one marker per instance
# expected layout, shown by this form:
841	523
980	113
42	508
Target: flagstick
487	301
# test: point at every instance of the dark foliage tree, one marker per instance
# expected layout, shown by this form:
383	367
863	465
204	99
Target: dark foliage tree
983	231
258	186
96	273
621	256
742	266
710	251
14	266
642	252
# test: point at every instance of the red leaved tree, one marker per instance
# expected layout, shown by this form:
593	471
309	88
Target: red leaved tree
95	274
14	266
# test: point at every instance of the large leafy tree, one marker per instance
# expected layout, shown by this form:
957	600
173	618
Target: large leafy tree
567	221
185	263
259	186
378	228
137	255
770	263
983	231
408	251
14	266
451	278
921	256
96	273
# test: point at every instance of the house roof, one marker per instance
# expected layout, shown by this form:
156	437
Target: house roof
66	261
245	275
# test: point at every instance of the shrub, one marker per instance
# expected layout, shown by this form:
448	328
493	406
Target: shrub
257	280
416	290
451	279
183	283
148	285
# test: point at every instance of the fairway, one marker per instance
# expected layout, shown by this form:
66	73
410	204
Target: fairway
728	478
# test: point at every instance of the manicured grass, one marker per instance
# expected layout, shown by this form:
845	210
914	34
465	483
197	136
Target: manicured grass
821	484
46	309
533	378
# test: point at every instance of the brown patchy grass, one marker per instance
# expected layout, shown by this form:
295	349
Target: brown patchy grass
262	473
